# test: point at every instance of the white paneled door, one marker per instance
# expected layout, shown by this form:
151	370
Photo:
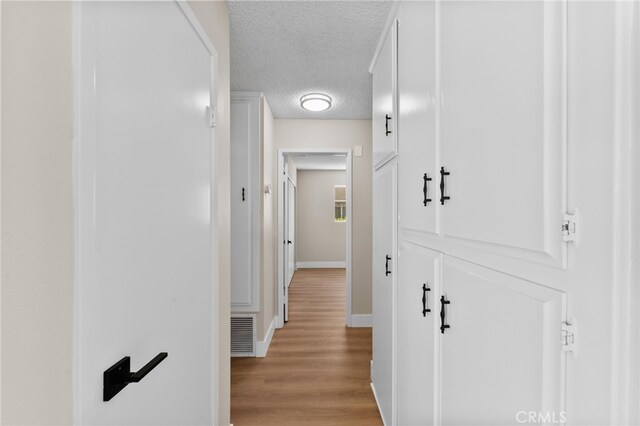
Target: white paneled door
291	231
384	270
502	127
418	302
501	352
145	235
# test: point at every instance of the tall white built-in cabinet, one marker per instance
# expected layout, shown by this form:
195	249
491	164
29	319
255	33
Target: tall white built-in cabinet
472	227
245	204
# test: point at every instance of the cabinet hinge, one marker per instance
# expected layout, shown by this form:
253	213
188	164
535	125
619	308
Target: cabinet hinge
568	339
213	116
570	227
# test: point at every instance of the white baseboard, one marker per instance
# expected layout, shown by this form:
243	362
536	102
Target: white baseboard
262	346
322	264
361	320
375	396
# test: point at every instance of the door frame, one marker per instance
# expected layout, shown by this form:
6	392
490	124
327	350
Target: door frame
78	121
280	202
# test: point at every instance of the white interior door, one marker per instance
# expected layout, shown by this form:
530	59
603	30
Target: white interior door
502	127
501	354
144	214
285	251
384	262
418	290
291	231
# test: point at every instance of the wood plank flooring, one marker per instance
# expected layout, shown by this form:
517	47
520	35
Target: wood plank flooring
316	371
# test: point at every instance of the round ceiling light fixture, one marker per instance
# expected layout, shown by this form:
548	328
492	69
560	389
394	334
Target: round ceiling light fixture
315	102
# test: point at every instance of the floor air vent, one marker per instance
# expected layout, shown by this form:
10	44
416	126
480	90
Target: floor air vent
243	335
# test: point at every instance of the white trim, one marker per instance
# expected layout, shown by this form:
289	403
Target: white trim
375	396
280	232
624	198
304	265
362	320
262	346
387	27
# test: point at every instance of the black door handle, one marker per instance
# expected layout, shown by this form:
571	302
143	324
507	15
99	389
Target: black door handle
119	375
386	266
425	189
443	314
425	289
289	242
387	132
443	173
242	194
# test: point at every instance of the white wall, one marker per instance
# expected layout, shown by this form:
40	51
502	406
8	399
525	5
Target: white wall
268	290
37	209
341	134
37	213
319	238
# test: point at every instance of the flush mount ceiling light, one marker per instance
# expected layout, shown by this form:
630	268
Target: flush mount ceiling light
315	102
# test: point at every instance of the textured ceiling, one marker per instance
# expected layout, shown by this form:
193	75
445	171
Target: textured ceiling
286	49
319	162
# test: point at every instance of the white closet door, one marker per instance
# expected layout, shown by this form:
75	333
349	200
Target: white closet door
144	219
418	289
384	270
244	144
384	120
501	354
418	162
502	127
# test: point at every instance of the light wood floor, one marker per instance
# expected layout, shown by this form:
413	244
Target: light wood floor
316	371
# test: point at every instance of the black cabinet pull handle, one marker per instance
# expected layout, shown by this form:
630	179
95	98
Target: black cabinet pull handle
425	289
386	266
443	173
243	194
119	375
387	132
443	314
425	189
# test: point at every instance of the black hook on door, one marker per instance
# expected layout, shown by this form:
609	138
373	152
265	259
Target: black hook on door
387	132
119	375
386	266
242	194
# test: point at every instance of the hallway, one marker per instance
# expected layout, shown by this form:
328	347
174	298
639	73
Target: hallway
316	371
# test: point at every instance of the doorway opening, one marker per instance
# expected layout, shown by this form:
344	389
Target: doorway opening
288	204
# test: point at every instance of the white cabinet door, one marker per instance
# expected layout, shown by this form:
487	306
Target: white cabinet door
384	120
501	354
418	288
244	199
384	271
144	214
502	127
418	162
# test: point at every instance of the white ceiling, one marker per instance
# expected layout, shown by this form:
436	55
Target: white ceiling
286	49
319	162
